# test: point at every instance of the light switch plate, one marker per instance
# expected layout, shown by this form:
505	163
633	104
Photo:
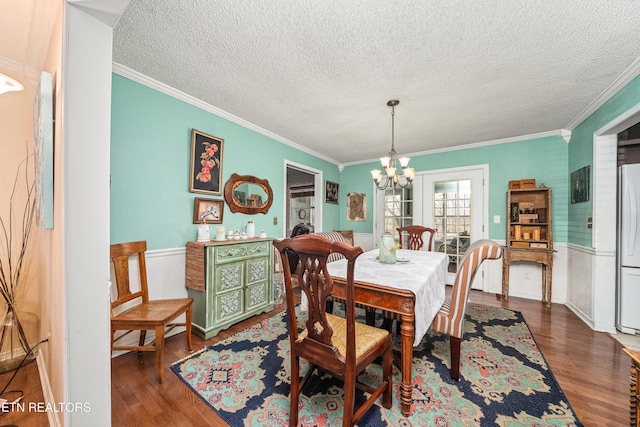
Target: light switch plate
496	219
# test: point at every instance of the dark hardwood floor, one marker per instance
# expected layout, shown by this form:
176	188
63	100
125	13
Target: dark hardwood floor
590	367
30	411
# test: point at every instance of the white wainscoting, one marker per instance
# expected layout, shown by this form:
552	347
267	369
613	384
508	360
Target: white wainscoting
165	277
519	286
592	287
365	240
573	280
531	288
580	291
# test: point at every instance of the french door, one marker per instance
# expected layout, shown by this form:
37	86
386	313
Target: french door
452	201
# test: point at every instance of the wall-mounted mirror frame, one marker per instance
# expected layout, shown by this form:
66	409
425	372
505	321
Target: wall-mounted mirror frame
249	205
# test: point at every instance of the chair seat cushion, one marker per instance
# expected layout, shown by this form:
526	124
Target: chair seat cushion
155	312
367	337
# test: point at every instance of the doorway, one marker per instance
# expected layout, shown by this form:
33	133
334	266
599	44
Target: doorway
302	200
602	315
453	201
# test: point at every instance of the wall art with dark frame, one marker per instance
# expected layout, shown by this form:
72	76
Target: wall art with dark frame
580	185
207	211
206	163
331	192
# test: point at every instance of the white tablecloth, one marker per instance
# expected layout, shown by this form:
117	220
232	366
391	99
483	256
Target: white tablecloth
424	275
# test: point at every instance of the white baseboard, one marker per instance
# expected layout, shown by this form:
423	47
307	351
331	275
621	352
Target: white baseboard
47	392
166	278
133	338
580	314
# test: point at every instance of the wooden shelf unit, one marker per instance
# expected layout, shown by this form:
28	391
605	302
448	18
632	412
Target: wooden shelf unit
538	215
529	235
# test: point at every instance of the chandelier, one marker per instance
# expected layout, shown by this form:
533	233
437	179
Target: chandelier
390	177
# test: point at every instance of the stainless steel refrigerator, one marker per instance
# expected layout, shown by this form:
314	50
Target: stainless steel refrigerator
629	248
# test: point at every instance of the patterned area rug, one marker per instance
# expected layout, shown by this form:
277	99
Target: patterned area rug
504	379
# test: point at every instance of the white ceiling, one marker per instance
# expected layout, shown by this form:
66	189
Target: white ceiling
319	74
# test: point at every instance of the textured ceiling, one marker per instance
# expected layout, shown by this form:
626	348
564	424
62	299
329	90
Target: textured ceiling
320	73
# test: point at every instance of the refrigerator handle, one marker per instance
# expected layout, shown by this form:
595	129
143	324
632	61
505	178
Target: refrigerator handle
632	217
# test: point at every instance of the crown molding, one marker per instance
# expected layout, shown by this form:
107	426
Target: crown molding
565	133
175	93
29	74
560	132
615	87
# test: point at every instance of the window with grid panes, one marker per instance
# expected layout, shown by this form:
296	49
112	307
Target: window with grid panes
398	209
452	214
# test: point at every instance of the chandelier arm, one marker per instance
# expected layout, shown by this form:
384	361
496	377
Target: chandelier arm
385	185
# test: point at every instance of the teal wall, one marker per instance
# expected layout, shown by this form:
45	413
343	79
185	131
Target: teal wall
544	159
150	149
581	154
150	159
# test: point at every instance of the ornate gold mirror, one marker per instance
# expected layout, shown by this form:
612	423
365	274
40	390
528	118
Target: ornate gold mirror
248	194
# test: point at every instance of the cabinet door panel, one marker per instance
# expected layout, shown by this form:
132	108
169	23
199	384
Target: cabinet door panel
228	306
229	276
257	270
257	295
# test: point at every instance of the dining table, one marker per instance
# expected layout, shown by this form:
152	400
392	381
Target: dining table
413	287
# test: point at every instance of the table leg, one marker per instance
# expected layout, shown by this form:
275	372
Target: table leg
544	283
406	388
505	277
549	282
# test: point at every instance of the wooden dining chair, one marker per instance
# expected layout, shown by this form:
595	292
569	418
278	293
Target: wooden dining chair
336	345
414	239
450	318
414	242
156	315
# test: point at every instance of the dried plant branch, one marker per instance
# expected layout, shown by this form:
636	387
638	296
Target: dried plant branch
15	248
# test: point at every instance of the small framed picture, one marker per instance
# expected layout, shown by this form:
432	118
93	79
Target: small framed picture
580	185
207	211
206	163
331	192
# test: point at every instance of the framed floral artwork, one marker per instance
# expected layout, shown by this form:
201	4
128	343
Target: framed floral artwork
207	211
206	163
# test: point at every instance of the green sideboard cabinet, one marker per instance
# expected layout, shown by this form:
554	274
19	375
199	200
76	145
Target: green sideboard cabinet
229	281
